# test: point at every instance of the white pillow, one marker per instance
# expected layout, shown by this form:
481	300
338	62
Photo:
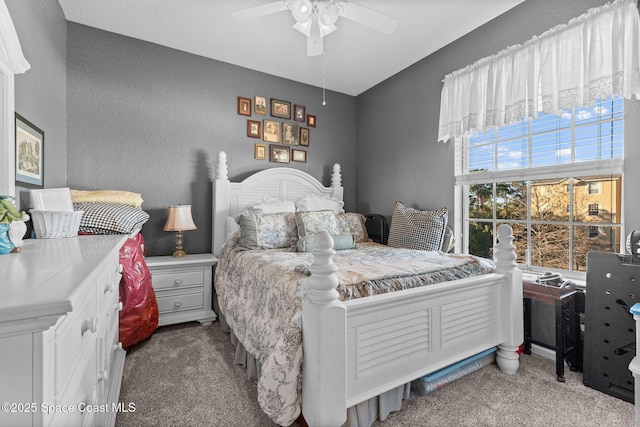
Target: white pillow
312	202
230	227
273	205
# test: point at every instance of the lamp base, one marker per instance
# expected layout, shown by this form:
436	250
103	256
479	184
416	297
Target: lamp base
179	254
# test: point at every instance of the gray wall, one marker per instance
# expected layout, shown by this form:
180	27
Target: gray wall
399	157
150	119
41	92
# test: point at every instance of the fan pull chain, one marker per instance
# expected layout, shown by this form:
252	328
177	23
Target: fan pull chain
324	75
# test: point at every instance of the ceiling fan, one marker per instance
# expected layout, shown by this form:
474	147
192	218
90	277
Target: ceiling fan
317	18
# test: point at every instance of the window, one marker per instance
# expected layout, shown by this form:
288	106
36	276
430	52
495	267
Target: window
551	179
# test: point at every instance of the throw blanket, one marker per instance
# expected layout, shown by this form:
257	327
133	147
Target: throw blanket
260	295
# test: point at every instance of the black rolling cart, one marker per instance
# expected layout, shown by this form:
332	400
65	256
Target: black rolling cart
613	287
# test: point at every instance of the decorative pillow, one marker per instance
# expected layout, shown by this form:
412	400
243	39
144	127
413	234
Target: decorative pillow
110	218
268	231
353	223
312	202
313	222
414	229
107	196
341	242
273	205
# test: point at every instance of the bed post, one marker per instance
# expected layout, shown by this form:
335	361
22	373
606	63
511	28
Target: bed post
336	183
511	314
220	210
324	385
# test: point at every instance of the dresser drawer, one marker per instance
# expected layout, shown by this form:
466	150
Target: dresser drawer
183	278
75	338
174	303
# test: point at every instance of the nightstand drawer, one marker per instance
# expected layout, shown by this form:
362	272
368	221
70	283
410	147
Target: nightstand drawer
177	279
173	303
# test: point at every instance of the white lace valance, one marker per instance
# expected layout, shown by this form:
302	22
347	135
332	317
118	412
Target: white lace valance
591	57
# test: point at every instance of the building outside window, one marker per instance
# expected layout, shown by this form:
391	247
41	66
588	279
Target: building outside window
551	179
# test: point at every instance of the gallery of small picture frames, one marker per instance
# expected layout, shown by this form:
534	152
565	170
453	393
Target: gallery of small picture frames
285	134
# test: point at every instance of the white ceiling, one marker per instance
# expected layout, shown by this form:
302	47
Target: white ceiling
356	57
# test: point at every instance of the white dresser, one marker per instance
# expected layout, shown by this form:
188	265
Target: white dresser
61	361
183	287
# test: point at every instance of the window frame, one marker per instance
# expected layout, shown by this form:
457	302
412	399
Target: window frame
463	181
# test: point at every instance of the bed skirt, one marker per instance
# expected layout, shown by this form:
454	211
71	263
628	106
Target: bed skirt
361	415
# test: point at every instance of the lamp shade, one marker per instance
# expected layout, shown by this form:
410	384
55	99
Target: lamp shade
179	219
301	10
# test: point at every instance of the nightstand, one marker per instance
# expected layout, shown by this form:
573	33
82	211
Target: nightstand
183	287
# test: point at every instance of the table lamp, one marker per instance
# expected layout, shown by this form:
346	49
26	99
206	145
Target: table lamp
179	219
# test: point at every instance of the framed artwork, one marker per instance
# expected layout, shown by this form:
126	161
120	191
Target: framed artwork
254	129
271	131
278	153
260	151
311	120
298	155
290	133
298	113
260	104
29	154
304	137
280	109
244	106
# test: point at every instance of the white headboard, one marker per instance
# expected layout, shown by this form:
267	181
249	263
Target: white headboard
231	198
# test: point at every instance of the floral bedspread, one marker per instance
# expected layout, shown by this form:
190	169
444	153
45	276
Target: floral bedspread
260	296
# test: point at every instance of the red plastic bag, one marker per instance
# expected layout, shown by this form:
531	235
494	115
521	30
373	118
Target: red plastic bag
139	314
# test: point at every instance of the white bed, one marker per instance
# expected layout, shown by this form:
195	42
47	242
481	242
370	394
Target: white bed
448	322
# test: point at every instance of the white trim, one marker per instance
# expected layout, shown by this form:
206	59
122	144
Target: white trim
12	62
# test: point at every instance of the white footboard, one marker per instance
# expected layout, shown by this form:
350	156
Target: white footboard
359	349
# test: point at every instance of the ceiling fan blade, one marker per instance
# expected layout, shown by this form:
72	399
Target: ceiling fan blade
258	11
369	17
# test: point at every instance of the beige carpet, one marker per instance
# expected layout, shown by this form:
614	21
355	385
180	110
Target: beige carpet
183	375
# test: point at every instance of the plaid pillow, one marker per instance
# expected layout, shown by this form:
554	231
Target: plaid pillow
414	229
110	218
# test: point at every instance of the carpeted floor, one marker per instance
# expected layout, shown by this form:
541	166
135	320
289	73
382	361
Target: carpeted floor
183	375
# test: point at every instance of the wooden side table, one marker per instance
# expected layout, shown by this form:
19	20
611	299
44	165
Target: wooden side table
183	288
563	298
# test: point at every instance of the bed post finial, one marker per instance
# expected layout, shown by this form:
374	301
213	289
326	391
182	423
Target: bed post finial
507	356
324	388
222	172
336	176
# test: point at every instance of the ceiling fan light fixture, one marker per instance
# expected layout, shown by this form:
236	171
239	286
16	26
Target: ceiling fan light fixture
328	13
301	10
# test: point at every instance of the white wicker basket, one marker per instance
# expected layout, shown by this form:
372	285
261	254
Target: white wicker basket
52	224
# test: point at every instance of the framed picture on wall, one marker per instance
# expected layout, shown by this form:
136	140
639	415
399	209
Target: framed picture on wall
271	131
290	133
254	129
260	151
280	109
304	137
29	154
244	106
298	155
278	153
298	113
311	120
260	104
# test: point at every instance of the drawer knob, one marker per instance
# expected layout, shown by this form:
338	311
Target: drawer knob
178	304
103	375
178	280
90	325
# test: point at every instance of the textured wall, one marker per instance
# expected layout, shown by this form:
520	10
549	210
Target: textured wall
150	119
41	92
399	157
